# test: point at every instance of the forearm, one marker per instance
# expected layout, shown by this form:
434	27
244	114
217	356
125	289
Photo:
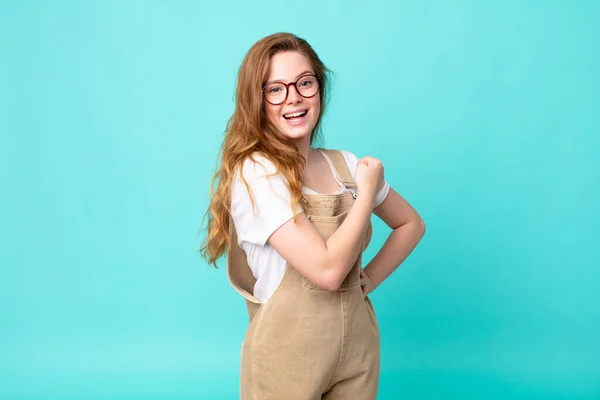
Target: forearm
394	251
346	242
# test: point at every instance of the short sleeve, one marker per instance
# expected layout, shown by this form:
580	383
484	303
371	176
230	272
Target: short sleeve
352	162
272	201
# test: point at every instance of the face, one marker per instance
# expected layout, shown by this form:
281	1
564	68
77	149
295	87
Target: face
297	116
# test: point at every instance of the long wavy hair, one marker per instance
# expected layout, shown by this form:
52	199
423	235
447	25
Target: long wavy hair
249	131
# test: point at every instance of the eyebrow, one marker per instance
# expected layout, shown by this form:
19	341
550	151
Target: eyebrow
297	76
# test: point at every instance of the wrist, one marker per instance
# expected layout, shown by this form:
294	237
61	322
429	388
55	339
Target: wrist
366	196
366	201
374	282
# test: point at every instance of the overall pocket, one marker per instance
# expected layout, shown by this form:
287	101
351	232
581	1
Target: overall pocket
326	226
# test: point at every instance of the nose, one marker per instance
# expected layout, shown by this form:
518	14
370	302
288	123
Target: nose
293	96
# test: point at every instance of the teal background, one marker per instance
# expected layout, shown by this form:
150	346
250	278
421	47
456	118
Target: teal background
486	117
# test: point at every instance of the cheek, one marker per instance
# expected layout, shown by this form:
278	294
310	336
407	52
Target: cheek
272	113
316	106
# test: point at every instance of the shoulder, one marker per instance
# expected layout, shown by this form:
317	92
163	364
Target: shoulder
254	167
260	200
258	177
351	160
349	156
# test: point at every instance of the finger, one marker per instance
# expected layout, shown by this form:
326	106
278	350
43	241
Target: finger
364	161
371	160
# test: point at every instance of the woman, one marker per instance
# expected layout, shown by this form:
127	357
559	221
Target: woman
294	221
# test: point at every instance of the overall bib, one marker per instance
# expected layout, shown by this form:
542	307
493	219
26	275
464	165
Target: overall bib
308	343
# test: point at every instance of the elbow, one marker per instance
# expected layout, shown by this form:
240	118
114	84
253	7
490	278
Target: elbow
332	284
421	227
329	284
329	279
327	272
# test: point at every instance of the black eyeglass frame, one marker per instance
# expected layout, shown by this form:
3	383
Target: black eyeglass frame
287	90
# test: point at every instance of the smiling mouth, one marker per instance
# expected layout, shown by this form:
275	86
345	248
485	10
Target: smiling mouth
292	116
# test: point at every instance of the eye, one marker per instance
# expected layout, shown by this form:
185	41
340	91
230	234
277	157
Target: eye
274	88
307	82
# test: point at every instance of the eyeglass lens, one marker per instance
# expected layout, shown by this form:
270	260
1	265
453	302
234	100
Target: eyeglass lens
276	93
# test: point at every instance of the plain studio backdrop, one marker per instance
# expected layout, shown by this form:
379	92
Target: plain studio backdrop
486	115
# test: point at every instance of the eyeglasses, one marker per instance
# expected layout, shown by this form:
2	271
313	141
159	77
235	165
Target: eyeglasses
277	92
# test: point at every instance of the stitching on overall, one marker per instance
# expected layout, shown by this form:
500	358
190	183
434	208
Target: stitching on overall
330	196
314	289
252	389
337	367
326	219
262	310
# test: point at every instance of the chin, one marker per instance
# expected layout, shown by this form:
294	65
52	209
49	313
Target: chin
296	134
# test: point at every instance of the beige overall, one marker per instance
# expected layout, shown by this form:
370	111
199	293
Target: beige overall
305	342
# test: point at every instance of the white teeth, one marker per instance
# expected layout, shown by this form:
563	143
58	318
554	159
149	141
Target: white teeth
297	114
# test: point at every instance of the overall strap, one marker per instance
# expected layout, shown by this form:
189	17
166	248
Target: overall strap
239	273
341	168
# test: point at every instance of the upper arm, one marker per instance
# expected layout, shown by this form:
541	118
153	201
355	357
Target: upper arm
302	247
263	206
395	211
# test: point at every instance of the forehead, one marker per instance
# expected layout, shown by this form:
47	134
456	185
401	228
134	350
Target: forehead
288	65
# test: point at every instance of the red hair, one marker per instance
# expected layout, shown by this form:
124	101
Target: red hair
249	131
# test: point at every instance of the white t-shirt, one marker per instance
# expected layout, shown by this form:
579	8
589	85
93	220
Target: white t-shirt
272	208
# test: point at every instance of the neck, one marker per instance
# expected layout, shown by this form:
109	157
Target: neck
304	148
